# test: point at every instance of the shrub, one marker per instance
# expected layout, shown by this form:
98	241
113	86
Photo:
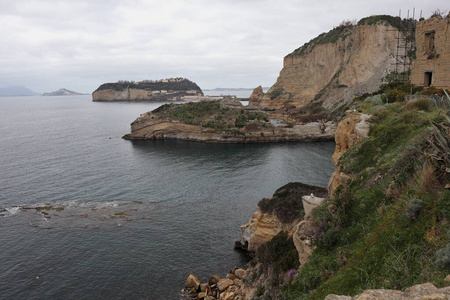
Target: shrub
413	208
279	255
419	104
276	93
443	257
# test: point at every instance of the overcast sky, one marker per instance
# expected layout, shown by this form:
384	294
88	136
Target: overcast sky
80	44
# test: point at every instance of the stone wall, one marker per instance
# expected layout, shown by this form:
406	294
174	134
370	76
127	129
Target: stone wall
432	59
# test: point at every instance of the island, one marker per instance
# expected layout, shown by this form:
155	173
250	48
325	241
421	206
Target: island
62	92
148	90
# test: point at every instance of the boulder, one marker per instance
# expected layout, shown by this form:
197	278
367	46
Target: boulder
213	280
224	283
227	296
240	273
192	282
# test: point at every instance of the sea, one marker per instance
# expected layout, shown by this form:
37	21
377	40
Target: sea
85	214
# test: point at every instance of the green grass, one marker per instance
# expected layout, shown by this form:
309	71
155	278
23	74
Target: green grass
210	114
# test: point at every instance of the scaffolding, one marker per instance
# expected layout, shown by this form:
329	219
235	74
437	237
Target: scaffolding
406	47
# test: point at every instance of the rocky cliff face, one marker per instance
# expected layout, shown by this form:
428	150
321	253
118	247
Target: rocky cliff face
260	229
351	130
331	69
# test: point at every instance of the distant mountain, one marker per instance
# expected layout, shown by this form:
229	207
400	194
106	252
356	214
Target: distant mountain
10	91
62	92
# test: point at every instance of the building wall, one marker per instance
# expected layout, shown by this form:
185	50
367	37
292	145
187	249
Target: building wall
434	61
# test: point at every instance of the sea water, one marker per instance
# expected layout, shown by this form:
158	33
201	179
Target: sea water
134	218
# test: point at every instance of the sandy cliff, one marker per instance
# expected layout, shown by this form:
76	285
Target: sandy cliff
351	130
330	70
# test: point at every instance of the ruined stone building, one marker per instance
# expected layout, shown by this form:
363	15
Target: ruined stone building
432	64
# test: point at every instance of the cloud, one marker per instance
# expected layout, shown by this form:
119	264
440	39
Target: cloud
50	44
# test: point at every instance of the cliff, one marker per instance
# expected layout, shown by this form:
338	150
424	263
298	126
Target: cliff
147	90
325	74
224	121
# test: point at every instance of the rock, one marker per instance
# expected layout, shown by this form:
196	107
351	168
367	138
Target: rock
214	279
256	96
227	296
231	276
224	283
309	203
240	273
421	291
231	103
260	229
351	130
302	242
336	297
192	282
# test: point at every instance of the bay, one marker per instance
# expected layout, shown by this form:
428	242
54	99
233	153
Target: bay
138	216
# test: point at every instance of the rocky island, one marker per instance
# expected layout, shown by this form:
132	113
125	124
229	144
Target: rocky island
147	90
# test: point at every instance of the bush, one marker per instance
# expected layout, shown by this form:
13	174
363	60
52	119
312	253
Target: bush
443	257
413	208
276	93
279	253
419	104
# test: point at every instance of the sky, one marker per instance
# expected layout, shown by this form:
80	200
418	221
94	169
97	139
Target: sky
50	44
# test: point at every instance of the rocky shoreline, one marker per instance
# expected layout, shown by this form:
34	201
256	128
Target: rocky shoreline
265	225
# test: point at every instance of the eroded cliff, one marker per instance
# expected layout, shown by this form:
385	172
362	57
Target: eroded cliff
325	74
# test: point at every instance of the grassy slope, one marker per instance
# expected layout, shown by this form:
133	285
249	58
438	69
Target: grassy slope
384	228
211	114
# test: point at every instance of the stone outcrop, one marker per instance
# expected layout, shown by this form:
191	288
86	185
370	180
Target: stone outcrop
351	130
256	95
301	238
421	291
153	125
331	69
159	90
260	229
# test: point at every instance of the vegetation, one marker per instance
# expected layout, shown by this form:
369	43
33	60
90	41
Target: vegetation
211	114
389	226
277	257
338	33
395	22
286	204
